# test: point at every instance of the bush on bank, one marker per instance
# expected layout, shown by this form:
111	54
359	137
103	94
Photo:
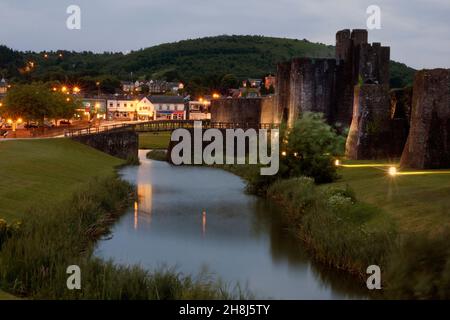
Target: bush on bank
33	261
309	149
341	231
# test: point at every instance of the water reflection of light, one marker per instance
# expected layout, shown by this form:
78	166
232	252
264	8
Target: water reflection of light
136	210
143	209
204	222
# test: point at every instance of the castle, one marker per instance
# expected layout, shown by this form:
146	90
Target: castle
352	91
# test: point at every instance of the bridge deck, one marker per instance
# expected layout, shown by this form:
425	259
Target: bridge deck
165	125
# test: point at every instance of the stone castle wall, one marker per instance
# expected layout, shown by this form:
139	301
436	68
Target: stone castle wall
251	111
428	145
123	144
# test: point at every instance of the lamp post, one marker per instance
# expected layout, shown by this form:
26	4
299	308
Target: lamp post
98	88
14	123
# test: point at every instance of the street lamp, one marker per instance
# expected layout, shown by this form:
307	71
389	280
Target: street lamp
98	88
14	123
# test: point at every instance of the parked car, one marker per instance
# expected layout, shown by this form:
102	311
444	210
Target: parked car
31	125
64	122
48	124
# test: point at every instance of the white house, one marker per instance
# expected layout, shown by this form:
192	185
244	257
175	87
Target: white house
146	110
122	109
169	107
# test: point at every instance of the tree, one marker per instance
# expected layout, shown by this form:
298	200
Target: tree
36	102
109	84
145	89
310	149
229	81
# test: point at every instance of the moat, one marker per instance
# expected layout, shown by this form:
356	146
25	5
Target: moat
200	220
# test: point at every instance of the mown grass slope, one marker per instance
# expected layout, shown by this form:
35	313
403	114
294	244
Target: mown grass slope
36	172
418	202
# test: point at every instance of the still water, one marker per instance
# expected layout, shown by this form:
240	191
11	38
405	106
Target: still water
200	220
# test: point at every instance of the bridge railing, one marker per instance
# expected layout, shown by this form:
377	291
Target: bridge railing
166	125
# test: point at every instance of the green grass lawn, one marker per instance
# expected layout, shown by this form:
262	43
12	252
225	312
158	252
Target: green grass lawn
154	140
6	296
40	172
417	202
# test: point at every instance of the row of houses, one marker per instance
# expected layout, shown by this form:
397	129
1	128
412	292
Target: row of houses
153	86
152	107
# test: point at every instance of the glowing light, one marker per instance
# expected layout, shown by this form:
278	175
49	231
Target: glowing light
295	154
1	104
200	99
417	173
68	99
19	120
337	162
366	165
216	95
204	222
9	121
54	89
392	171
64	89
136	215
45	56
283	153
76	90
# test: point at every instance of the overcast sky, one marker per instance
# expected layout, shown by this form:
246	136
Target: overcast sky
418	31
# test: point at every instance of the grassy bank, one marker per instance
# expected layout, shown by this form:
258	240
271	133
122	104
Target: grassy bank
66	196
367	217
341	231
154	140
33	261
418	203
46	172
6	296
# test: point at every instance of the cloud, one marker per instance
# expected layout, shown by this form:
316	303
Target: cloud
416	30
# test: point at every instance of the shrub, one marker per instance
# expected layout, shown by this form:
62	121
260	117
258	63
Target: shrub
310	149
8	230
159	155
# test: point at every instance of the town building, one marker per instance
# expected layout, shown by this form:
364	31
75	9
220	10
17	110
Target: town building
169	107
93	108
154	87
122	108
127	86
145	110
269	81
199	110
252	83
3	86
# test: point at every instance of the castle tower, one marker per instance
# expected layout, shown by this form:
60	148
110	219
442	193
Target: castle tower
359	63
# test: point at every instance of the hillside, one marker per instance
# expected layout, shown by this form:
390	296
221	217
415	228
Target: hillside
203	60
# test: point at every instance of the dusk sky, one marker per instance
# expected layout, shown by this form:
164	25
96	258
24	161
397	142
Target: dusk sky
417	31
